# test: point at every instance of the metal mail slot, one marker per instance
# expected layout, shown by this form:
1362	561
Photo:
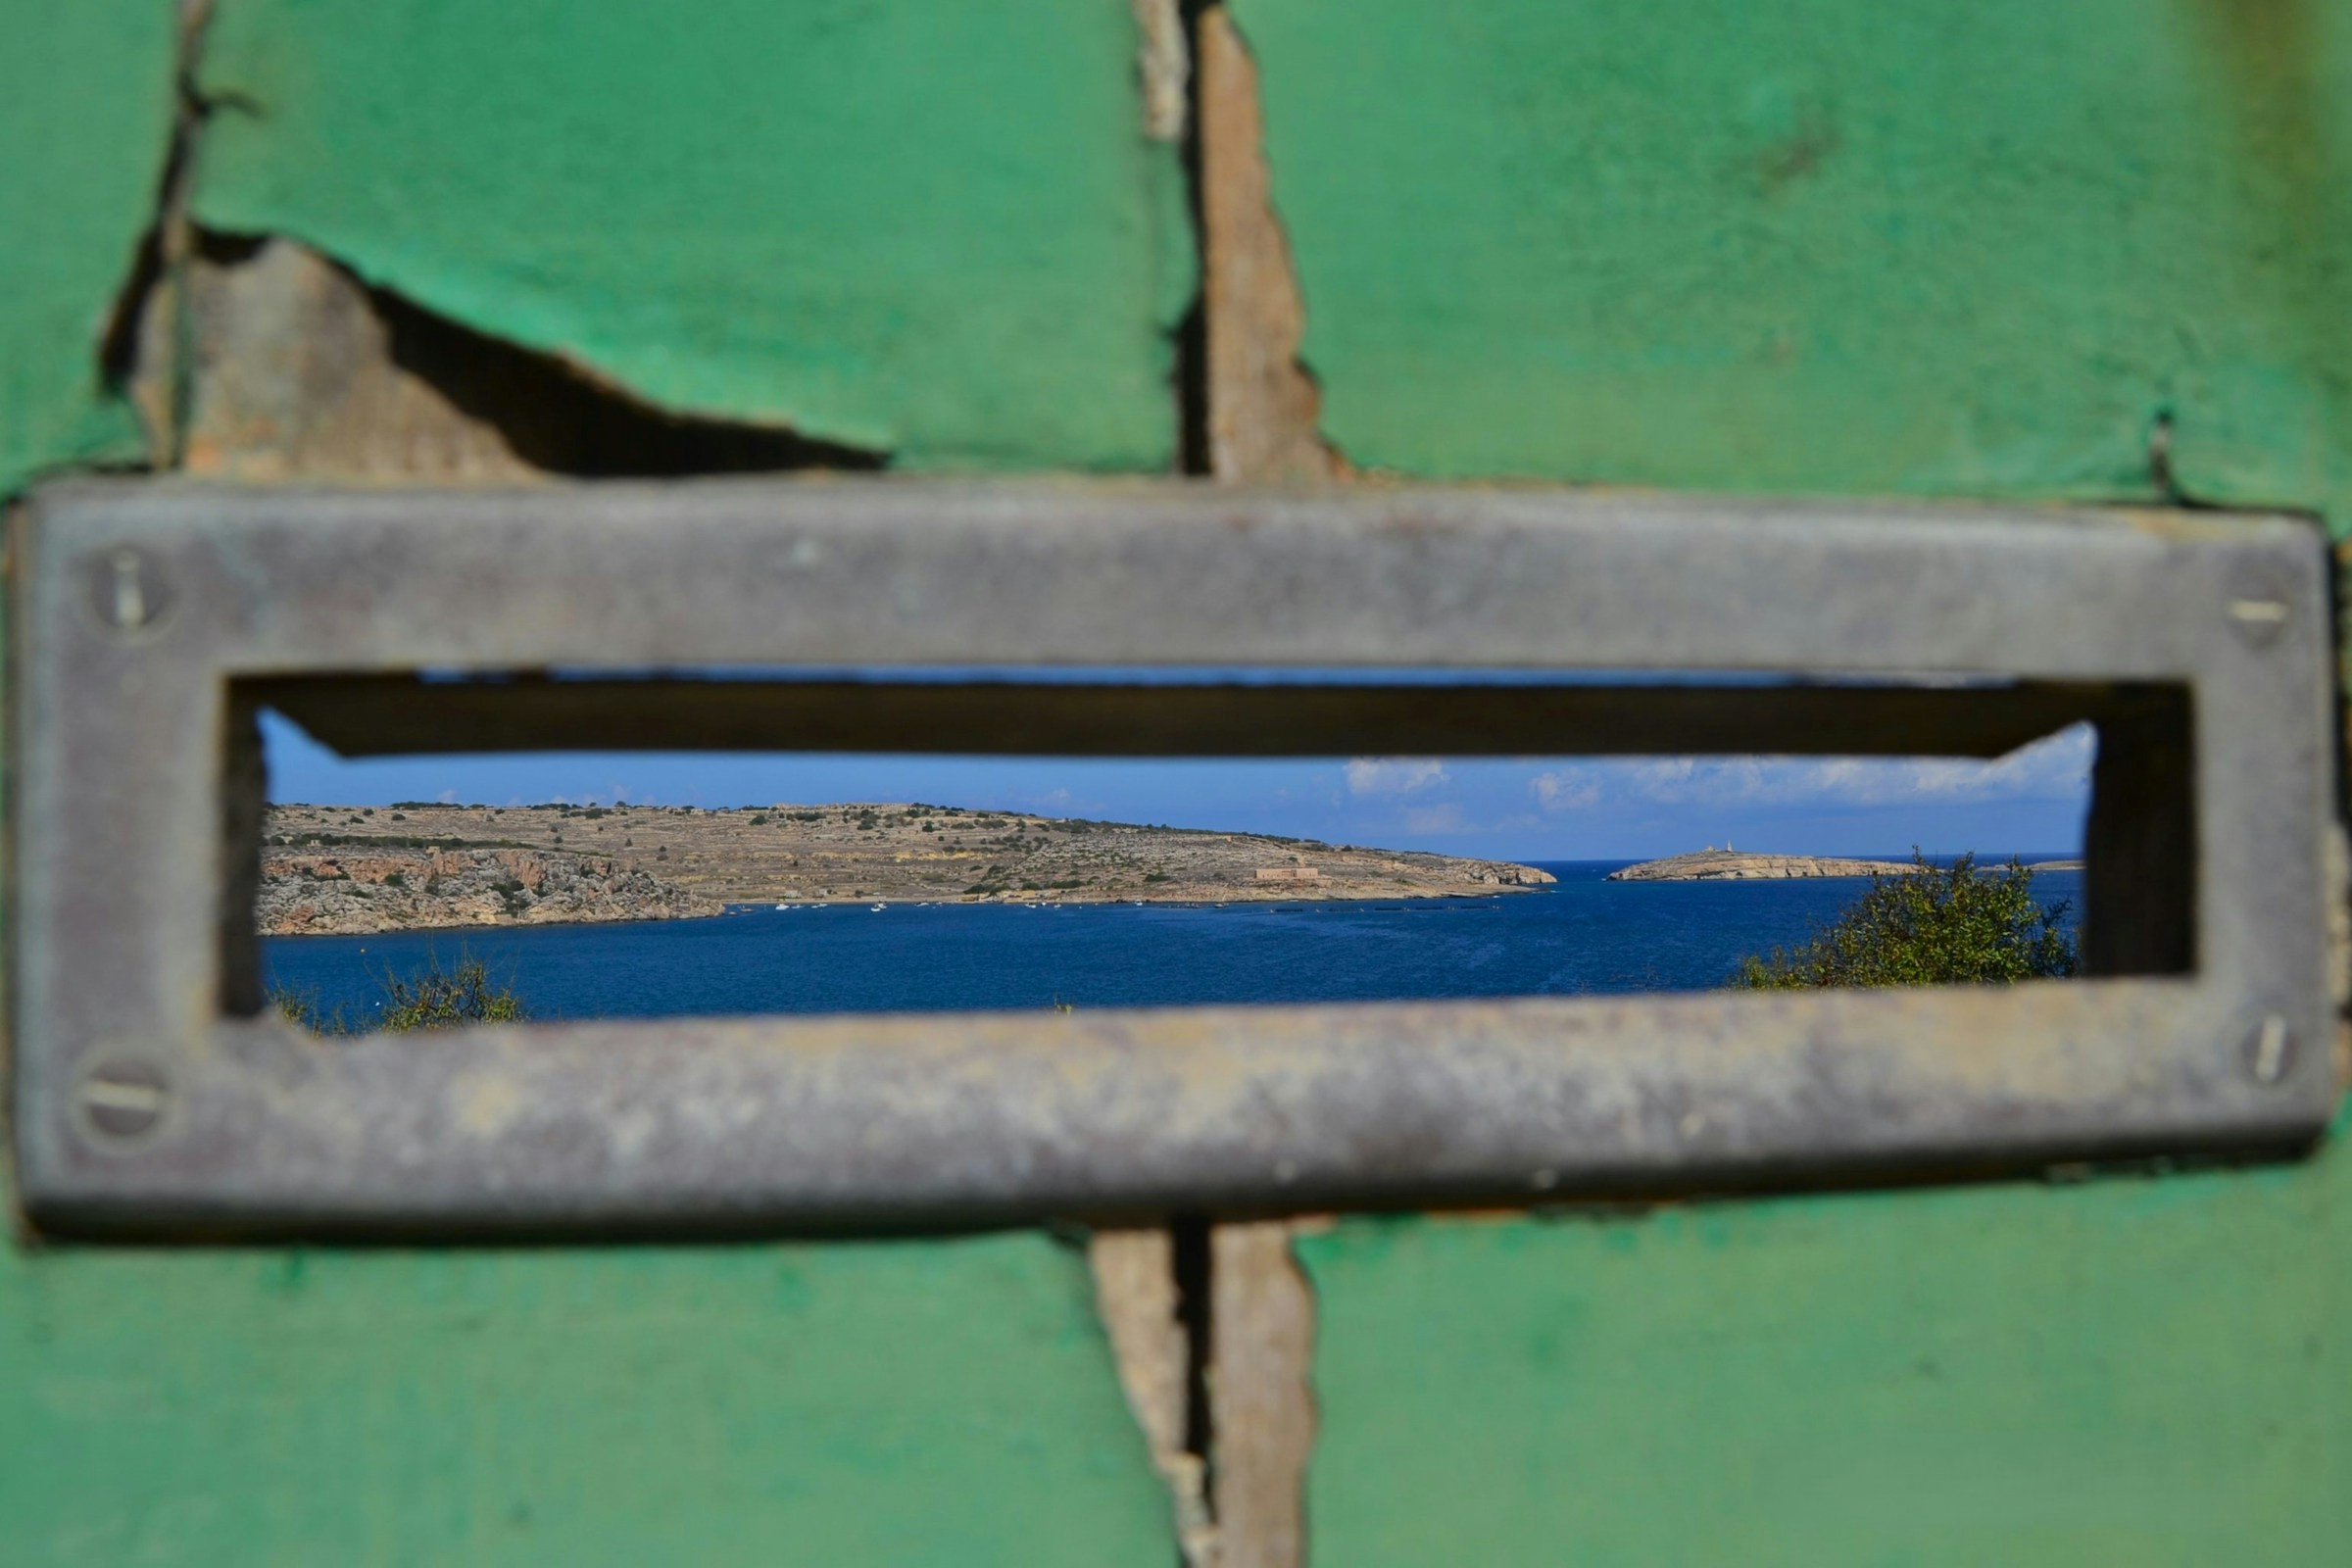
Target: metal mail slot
153	1097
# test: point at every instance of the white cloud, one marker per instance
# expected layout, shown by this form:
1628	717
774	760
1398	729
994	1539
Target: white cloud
1394	775
2052	769
1566	790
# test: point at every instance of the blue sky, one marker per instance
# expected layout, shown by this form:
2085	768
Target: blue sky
1549	809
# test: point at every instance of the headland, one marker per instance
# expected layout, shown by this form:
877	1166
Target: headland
334	869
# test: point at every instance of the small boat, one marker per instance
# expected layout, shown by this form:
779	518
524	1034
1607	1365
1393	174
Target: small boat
879	907
783	905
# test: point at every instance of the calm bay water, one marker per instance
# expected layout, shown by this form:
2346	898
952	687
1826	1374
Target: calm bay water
1582	935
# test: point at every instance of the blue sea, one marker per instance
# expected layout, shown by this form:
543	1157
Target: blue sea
1582	935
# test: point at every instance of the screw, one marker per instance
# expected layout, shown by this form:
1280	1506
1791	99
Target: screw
128	591
2257	620
2270	1049
123	1102
2259	608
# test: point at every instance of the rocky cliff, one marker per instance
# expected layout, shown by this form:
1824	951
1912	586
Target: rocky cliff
361	888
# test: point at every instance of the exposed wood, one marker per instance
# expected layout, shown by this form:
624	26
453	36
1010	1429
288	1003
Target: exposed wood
1134	1292
1262	406
1262	1318
1262	413
293	374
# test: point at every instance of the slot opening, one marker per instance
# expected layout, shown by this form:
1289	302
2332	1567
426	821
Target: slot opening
2131	909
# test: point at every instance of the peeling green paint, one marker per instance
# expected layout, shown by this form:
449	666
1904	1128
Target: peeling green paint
2153	1372
940	1402
1823	246
86	124
1959	247
1795	245
755	253
931	229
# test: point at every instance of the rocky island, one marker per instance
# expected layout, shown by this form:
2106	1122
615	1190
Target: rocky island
414	867
1729	865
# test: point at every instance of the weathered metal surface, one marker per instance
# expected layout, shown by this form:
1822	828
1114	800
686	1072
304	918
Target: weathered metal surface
399	715
126	743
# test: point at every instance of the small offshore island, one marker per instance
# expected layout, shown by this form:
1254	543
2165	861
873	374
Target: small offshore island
1726	865
1729	865
353	870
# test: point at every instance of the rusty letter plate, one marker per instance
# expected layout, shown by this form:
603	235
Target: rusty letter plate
153	1097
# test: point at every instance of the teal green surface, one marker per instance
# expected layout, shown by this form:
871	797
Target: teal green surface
938	1403
932	227
2144	1372
1936	248
85	123
950	1401
1963	247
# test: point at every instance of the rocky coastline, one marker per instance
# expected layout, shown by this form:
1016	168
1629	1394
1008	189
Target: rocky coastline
1728	866
349	871
357	892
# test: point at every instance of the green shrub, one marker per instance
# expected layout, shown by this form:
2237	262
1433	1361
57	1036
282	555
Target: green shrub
301	1009
446	998
1936	925
432	997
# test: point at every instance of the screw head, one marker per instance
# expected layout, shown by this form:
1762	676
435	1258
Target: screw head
129	591
2270	1049
122	1101
2259	608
